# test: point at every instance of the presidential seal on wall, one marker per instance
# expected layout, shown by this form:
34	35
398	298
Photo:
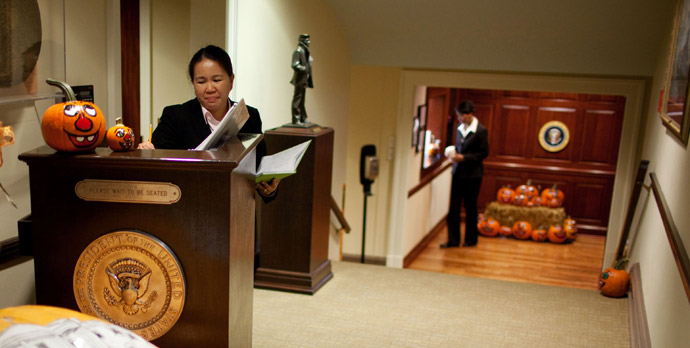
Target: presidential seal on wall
133	280
554	136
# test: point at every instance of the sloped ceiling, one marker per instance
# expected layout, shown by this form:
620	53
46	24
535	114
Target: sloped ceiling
613	37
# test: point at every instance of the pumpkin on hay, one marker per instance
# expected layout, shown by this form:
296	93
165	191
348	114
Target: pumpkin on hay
549	194
522	230
614	281
521	200
505	195
489	228
120	137
74	125
528	190
556	234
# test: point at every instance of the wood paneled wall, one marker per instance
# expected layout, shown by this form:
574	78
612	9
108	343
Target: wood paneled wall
584	170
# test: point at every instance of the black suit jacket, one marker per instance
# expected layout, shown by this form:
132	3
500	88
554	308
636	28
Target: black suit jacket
475	148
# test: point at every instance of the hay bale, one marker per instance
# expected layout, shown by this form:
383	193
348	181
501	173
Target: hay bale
508	214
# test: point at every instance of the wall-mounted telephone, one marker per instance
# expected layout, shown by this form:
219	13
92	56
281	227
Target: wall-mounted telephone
368	167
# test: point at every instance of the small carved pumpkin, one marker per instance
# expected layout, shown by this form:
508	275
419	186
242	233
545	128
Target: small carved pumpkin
120	137
74	125
537	201
570	228
489	228
521	200
556	234
522	230
539	235
550	193
505	231
528	190
614	282
505	195
553	203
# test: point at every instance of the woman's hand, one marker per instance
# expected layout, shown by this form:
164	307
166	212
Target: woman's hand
146	145
268	188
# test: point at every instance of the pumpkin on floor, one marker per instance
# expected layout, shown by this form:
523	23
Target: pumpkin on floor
489	228
614	281
539	235
505	231
72	126
556	234
570	228
522	230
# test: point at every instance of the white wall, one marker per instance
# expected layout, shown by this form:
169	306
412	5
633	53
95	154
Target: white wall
267	33
667	304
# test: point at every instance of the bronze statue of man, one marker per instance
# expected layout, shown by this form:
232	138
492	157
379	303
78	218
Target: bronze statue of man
301	79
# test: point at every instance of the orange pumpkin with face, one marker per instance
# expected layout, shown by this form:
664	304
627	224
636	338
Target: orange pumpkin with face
556	234
522	230
528	190
549	194
489	228
505	231
72	126
539	235
120	137
614	282
570	228
505	195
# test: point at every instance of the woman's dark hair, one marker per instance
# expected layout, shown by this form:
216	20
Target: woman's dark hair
466	107
213	53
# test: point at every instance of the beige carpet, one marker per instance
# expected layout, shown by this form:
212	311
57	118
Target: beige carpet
375	306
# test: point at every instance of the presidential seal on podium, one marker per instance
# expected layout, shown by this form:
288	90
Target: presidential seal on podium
133	280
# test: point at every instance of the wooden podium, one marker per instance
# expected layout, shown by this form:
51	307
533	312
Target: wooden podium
293	228
196	283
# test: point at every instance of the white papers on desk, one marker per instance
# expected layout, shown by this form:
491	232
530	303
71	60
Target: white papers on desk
228	127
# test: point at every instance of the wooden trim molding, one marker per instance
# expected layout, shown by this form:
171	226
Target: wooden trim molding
639	330
419	248
428	178
679	251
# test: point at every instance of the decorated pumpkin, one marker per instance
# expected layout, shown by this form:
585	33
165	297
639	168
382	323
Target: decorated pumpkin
489	228
45	326
522	230
539	235
537	201
556	234
120	137
614	281
521	200
570	228
528	190
72	126
505	231
550	193
553	203
505	195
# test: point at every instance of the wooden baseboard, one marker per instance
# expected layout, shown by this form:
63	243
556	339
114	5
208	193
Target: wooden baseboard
639	330
370	260
423	243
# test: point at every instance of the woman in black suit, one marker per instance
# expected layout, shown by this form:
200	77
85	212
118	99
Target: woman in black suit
185	126
470	150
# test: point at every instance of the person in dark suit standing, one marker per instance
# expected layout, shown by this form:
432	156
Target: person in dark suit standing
185	126
470	150
301	79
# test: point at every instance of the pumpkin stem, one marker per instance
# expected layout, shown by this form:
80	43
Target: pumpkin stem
118	120
620	263
69	93
555	185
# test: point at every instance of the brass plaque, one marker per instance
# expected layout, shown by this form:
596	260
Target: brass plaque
147	192
133	280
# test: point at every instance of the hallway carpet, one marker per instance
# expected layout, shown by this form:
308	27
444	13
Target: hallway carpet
376	306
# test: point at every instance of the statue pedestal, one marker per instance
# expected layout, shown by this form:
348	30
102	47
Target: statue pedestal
293	228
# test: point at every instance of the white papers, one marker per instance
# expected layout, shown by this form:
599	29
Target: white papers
228	127
281	164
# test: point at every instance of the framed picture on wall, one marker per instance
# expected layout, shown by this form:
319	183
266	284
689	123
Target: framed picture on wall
421	114
674	97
